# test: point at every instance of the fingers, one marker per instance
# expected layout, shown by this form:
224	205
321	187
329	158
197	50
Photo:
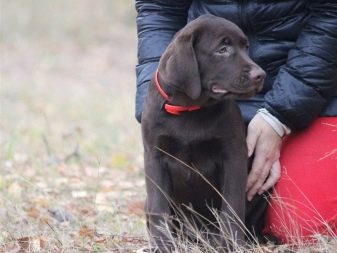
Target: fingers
257	176
274	176
256	171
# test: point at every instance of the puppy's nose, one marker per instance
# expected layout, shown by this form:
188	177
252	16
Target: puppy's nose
257	75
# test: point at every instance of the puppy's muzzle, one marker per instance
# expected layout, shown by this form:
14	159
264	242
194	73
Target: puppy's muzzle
257	76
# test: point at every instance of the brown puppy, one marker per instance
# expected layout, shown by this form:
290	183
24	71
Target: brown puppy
191	117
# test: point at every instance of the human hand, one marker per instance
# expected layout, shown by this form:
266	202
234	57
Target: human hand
265	143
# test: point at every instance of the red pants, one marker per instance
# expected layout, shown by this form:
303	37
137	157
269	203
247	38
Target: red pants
304	201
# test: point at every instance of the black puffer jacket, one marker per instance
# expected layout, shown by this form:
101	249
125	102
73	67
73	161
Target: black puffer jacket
295	42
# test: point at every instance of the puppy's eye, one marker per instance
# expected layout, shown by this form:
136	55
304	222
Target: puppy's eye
223	50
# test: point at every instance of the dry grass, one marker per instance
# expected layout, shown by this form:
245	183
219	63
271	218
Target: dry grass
70	149
69	143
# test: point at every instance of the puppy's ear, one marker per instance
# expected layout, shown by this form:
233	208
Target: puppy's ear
178	67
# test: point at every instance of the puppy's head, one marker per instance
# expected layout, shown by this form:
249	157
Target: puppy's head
208	57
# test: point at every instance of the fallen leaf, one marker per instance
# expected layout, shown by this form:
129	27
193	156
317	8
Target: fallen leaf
33	212
23	243
87	212
100	239
86	231
41	215
136	208
43	242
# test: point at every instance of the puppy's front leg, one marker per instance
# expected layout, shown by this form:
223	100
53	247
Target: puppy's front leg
157	206
233	206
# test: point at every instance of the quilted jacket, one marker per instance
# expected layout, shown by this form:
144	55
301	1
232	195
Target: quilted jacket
295	42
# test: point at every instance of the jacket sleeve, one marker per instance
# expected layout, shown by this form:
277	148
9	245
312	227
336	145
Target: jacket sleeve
308	80
157	22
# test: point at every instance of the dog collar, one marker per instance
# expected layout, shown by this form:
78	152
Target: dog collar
172	109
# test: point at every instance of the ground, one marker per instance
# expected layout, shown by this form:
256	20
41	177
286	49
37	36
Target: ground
70	147
71	167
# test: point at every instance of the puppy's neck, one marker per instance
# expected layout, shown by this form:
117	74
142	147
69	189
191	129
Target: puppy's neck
177	97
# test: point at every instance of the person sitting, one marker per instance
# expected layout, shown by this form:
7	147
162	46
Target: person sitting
292	122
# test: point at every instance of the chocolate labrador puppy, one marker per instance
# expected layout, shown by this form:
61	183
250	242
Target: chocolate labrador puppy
194	136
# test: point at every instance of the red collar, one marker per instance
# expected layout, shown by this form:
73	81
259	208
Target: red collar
173	109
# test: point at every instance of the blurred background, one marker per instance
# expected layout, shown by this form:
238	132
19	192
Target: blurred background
70	148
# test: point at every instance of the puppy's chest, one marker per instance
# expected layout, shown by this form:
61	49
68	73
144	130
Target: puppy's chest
203	155
196	141
181	147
